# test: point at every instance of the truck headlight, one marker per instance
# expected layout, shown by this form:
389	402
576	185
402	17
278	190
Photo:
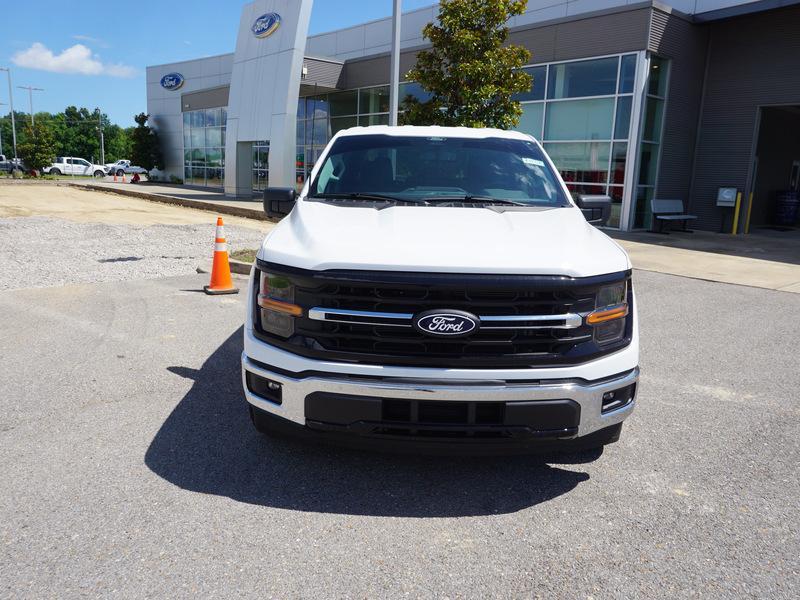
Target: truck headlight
611	313
276	304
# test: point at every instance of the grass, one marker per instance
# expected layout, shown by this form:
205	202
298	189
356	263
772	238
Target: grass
247	256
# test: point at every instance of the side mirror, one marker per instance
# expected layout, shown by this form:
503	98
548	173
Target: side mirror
596	209
279	202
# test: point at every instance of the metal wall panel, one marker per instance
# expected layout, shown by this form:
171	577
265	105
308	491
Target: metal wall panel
753	61
213	98
685	45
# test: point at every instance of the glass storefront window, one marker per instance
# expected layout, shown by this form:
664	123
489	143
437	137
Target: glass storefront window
373	120
374	100
583	78
619	158
204	146
653	113
642	211
648	162
214	136
213	117
579	120
622	124
616	192
414	90
339	123
344	103
531	120
627	74
580	162
538	78
657	84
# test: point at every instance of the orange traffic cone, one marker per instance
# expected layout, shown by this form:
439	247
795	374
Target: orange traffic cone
221	281
123	178
115	177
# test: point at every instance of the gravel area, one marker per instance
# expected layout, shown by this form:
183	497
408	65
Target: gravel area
96	252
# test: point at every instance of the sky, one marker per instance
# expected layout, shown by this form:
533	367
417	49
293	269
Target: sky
95	56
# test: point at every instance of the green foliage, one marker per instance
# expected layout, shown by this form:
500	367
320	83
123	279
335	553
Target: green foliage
469	70
76	132
39	148
145	148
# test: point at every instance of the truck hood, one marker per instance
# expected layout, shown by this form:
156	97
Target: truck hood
558	241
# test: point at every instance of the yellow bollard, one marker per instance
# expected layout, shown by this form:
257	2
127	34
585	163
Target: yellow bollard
736	213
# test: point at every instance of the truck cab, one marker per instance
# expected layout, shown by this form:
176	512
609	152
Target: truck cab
438	289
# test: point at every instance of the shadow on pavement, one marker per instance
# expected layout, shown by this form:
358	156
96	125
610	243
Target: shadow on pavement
208	445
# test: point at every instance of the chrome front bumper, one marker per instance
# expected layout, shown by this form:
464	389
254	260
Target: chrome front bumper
589	395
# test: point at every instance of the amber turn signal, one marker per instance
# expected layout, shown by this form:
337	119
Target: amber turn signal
278	306
607	314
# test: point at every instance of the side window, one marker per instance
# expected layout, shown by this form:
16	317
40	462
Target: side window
59	160
82	162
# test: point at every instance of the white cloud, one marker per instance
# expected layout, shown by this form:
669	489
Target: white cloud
75	59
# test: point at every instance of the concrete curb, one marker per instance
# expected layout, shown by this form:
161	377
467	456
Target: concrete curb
238	266
174	200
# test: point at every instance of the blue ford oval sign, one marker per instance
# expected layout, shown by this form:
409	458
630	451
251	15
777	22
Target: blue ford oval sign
450	323
266	24
172	81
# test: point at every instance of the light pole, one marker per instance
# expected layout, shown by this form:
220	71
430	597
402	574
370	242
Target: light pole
1	131
394	85
102	139
30	96
11	106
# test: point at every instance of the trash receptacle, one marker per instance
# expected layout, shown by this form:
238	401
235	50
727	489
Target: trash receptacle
787	204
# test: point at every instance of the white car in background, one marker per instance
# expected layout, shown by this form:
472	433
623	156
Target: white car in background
70	165
124	167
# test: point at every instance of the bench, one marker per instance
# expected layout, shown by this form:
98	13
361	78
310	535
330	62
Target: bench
667	211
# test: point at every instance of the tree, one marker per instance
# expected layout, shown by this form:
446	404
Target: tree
145	148
469	71
39	148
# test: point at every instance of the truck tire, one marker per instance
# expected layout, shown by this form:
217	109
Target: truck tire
99	175
120	172
55	172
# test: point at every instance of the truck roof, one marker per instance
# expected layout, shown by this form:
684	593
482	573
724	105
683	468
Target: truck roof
434	130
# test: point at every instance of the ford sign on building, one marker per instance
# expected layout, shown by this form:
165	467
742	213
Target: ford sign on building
172	81
265	25
631	98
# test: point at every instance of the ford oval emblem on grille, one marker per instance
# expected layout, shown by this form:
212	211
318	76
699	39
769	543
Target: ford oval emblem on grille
450	323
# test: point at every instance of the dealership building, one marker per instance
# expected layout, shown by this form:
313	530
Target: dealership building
696	100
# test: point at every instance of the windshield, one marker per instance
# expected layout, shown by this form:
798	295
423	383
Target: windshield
427	169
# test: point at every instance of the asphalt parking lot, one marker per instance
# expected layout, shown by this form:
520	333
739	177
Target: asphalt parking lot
130	467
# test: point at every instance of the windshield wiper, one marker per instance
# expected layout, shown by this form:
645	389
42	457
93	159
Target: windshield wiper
361	196
471	199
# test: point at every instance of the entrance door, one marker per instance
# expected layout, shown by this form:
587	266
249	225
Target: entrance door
777	163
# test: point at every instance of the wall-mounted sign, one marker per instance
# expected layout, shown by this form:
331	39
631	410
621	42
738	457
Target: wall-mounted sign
266	24
172	81
726	196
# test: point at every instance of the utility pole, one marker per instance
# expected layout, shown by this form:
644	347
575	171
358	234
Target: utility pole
30	96
394	82
11	106
1	131
102	139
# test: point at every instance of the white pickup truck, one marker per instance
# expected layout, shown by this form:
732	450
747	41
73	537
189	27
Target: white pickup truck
70	165
124	167
438	289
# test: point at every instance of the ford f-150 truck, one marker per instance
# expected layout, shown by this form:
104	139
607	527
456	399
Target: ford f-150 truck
438	288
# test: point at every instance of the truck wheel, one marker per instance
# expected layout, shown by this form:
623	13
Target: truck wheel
99	175
120	172
55	172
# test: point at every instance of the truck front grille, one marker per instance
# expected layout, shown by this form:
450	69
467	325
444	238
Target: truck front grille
368	318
